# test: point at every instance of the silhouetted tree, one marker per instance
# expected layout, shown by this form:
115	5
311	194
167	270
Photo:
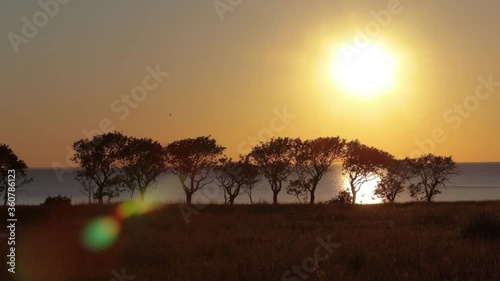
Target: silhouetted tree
142	160
313	159
194	160
235	176
299	189
10	161
433	172
99	161
275	161
253	175
87	190
392	183
363	164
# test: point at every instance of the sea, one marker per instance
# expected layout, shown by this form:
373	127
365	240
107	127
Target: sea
477	182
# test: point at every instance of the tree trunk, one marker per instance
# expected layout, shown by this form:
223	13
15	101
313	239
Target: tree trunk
5	198
227	199
275	197
429	198
142	192
232	197
431	193
313	190
100	195
189	195
354	192
312	198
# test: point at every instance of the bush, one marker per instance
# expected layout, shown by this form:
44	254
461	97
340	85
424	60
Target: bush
482	226
57	200
344	197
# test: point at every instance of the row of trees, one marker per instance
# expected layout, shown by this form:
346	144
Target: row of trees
112	163
424	177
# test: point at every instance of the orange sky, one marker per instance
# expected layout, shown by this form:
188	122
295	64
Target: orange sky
229	77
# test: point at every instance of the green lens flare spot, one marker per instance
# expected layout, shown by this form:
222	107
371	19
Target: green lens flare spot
100	233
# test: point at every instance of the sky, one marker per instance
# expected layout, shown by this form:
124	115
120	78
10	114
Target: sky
245	71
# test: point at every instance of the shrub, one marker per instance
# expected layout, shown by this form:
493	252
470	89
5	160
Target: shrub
57	200
344	197
482	226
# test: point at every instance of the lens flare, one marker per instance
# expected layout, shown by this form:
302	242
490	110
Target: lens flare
126	210
100	233
134	208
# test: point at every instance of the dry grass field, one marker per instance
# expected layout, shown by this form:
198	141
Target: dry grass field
438	241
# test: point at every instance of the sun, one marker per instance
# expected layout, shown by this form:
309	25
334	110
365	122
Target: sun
364	72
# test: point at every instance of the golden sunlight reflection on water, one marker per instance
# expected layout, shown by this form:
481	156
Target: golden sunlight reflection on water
365	194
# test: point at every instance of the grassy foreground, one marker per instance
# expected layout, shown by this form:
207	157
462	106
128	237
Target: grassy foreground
439	241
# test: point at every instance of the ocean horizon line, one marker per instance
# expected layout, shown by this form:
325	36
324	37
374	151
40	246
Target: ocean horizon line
335	164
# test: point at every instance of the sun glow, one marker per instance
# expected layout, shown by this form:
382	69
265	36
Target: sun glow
365	72
365	194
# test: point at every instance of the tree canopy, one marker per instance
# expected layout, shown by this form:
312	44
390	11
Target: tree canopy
100	168
363	164
313	159
194	160
433	172
275	160
236	176
142	160
393	182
